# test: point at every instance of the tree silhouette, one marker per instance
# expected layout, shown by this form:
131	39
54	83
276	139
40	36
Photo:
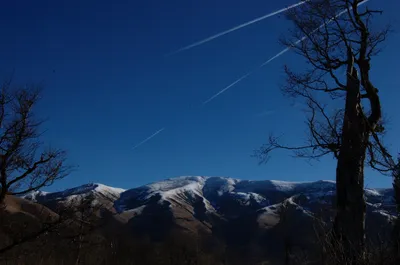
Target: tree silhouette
25	164
337	41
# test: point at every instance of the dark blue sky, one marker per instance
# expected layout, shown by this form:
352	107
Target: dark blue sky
108	86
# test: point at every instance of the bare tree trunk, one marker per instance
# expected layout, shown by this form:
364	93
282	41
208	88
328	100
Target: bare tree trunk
349	225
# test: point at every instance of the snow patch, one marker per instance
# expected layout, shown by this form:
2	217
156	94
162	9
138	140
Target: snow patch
371	192
32	196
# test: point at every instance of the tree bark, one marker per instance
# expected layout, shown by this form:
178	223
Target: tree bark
349	224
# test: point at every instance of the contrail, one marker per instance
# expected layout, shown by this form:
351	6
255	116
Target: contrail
226	88
248	74
148	138
236	28
274	57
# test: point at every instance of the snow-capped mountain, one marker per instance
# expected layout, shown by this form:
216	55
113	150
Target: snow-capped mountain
197	203
214	193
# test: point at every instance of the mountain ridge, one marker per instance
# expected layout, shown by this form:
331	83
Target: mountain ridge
210	190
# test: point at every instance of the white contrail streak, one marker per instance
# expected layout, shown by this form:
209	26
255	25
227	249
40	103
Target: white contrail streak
226	88
148	138
274	57
248	74
236	28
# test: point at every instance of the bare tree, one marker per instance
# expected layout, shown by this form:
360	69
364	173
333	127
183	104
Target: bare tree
25	164
337	41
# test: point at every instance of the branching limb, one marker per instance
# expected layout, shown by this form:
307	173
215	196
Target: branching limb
24	164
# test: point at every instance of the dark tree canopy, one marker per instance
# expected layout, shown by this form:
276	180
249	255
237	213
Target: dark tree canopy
25	163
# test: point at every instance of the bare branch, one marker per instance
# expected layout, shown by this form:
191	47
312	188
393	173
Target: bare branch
335	34
24	164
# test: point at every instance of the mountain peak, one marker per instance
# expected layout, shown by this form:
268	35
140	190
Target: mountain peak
80	191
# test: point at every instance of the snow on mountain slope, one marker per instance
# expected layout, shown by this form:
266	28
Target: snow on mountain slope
226	196
74	194
164	190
